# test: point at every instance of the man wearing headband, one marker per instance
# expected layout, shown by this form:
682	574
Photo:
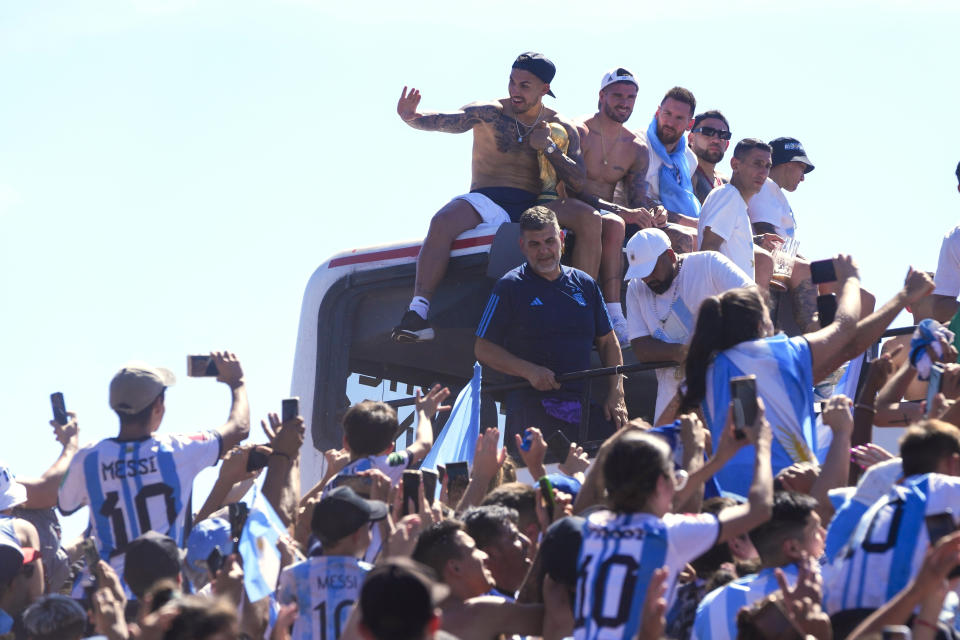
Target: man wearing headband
510	136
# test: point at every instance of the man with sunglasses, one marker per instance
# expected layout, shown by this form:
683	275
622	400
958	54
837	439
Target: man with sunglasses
709	140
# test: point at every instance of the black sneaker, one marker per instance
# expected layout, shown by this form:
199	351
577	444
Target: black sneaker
412	328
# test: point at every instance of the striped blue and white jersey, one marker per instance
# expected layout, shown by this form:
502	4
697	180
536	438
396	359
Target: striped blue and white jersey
325	589
717	612
619	554
888	545
135	486
784	370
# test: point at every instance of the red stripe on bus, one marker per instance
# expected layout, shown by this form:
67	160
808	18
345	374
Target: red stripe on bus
404	252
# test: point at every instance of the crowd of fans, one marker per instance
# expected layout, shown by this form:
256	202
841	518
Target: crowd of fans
709	521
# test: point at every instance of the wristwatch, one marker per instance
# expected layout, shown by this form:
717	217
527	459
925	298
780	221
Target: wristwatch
551	148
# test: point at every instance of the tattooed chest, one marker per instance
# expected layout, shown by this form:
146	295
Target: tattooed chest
507	135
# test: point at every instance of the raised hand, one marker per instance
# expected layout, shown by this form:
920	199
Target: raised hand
880	370
578	461
67	434
408	103
229	371
487	458
839	414
430	403
845	267
284	437
533	457
867	455
917	285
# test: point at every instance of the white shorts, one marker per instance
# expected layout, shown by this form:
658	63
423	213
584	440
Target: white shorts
490	212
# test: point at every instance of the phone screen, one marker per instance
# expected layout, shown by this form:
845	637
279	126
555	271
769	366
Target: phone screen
458	475
429	479
822	271
558	446
290	409
201	367
743	394
411	489
827	308
59	408
256	460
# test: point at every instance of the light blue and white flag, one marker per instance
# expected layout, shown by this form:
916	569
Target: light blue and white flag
457	440
258	548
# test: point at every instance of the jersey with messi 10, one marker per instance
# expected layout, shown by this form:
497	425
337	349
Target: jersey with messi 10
325	589
618	556
135	486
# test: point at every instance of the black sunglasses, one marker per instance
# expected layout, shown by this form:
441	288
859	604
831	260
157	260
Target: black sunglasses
710	132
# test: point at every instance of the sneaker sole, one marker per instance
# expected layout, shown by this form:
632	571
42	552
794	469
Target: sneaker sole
407	336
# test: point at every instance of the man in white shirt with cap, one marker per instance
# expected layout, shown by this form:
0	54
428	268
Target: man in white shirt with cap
769	210
663	299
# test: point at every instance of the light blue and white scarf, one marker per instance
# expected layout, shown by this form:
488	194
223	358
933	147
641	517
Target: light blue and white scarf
676	187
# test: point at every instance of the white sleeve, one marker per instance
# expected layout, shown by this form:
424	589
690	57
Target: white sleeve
72	493
636	327
763	206
691	535
718	214
947	279
196	451
725	274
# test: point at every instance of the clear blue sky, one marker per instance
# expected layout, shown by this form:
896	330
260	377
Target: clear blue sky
172	172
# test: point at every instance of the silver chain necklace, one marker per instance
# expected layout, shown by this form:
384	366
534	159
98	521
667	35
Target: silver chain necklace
676	295
517	124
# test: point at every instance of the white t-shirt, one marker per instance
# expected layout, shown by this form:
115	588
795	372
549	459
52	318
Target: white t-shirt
770	205
672	315
889	544
653	169
947	279
725	212
618	555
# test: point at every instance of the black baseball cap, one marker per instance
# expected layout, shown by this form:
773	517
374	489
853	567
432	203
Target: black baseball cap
560	549
149	559
789	150
398	599
342	512
537	64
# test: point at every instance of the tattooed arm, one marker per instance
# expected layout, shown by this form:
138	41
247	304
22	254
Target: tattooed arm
570	167
638	192
458	122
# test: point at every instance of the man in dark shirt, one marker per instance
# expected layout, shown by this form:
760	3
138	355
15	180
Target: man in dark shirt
542	320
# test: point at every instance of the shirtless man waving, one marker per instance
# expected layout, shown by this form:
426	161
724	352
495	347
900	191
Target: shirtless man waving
510	137
614	155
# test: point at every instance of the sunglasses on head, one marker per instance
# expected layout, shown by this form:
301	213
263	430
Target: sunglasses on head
710	132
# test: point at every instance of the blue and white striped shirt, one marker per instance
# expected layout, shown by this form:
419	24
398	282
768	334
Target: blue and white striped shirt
717	613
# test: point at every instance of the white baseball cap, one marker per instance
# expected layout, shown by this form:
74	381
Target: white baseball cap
643	250
618	75
12	492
